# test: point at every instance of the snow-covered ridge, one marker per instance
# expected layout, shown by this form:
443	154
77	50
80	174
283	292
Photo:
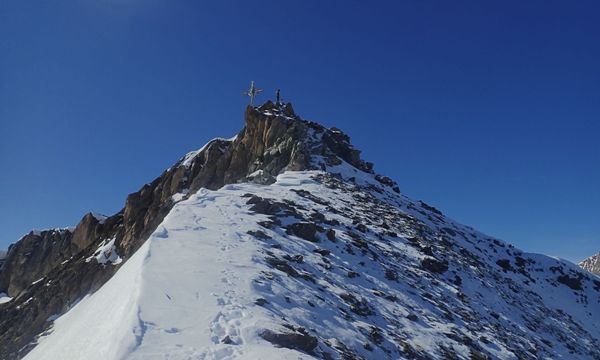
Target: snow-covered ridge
324	266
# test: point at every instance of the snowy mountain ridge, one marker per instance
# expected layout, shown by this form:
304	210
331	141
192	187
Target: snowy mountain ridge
282	243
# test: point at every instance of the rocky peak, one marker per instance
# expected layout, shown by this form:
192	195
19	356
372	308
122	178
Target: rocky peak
32	257
287	142
592	264
275	139
88	228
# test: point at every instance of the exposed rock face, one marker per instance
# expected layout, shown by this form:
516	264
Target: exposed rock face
34	256
592	264
88	229
299	340
273	140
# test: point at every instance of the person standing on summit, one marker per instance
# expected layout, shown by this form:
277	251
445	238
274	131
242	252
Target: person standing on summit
278	97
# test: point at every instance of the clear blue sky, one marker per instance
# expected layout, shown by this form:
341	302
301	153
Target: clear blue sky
488	110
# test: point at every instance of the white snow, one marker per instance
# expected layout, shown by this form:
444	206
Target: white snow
106	253
177	197
184	290
4	298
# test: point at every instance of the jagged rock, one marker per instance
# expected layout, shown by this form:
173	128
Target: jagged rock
227	340
359	307
339	144
391	274
388	182
263	206
295	258
259	234
412	317
424	205
572	282
87	231
592	264
434	265
297	341
33	257
504	264
261	302
322	252
282	265
304	230
331	235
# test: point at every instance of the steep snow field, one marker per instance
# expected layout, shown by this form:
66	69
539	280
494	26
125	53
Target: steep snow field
380	277
184	291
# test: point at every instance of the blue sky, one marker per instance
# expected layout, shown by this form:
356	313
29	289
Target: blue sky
489	111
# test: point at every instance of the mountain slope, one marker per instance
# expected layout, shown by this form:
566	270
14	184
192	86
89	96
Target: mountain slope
273	139
592	264
307	253
328	268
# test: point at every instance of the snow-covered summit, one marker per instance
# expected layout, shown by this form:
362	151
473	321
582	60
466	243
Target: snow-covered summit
283	243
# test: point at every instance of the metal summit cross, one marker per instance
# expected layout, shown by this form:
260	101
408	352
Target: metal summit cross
252	92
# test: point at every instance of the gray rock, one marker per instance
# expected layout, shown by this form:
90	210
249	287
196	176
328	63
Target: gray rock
291	340
304	230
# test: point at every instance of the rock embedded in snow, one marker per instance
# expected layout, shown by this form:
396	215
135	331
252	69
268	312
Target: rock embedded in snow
304	230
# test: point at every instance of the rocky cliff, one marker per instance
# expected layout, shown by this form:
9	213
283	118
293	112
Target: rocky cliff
47	272
592	264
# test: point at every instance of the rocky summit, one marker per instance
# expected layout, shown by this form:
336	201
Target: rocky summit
282	243
592	264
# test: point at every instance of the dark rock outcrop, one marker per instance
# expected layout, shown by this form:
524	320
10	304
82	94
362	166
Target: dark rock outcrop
304	230
435	265
32	257
301	341
88	229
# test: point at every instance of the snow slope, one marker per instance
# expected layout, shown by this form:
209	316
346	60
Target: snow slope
187	288
344	268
